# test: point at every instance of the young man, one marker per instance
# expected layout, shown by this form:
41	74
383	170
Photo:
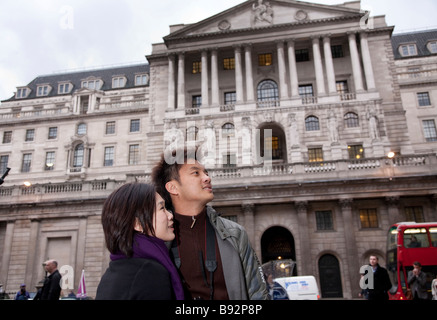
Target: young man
213	254
382	283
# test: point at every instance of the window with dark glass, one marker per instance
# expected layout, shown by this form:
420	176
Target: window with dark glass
337	51
30	135
4	161
135	125
7	137
230	98
302	55
196	102
53	133
324	220
414	214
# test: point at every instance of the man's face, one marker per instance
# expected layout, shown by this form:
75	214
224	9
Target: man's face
373	261
195	184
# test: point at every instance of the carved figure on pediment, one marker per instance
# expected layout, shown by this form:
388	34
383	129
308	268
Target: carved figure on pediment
263	12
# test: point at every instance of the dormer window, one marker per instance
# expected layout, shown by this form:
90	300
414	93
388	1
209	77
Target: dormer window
432	46
42	91
22	93
118	82
64	88
141	79
408	50
92	84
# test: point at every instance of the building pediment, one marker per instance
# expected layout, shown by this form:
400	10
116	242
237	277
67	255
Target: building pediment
259	14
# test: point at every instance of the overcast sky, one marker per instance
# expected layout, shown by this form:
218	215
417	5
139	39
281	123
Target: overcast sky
40	37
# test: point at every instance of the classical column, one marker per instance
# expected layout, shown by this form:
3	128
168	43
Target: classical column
215	99
318	66
248	210
351	246
329	63
204	76
249	74
294	81
393	210
181	81
356	66
6	253
367	61
238	75
305	249
171	82
282	71
31	273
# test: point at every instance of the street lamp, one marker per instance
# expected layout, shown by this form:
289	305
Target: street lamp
27	184
391	155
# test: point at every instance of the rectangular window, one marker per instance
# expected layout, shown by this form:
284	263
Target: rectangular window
368	218
324	220
110	127
118	82
4	161
302	55
337	51
64	88
342	87
134	154
409	50
27	162
21	93
265	59
50	161
414	214
229	160
315	155
53	133
109	157
196	102
42	91
356	152
7	137
197	67
135	125
141	80
30	135
229	64
230	98
423	98
429	130
306	91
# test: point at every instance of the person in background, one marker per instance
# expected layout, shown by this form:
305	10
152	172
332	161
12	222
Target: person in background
417	282
381	281
136	225
22	294
52	287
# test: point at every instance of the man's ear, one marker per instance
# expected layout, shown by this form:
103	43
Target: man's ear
171	188
137	226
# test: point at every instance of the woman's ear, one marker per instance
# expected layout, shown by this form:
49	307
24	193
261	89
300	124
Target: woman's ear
137	226
171	188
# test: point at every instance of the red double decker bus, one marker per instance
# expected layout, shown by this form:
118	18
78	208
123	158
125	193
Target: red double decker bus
409	242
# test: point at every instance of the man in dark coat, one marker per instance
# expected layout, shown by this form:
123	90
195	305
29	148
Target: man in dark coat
52	284
381	281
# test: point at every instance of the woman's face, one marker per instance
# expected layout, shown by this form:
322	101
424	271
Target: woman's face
163	221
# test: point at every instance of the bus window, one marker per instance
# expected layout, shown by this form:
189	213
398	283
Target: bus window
392	239
433	232
416	238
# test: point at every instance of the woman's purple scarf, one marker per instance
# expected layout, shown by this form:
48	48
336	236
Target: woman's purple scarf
148	247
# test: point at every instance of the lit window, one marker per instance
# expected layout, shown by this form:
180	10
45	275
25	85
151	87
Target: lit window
356	152
265	59
229	64
197	67
315	155
324	220
368	218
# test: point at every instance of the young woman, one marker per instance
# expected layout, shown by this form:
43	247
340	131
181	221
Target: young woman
136	225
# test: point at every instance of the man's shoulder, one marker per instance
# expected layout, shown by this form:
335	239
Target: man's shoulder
222	221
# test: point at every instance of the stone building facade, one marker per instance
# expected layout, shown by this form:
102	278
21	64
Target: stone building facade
295	106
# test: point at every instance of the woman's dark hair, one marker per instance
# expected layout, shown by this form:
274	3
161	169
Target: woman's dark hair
125	206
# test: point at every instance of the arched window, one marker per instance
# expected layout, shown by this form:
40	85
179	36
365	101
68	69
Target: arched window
228	130
351	120
78	156
312	123
268	93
